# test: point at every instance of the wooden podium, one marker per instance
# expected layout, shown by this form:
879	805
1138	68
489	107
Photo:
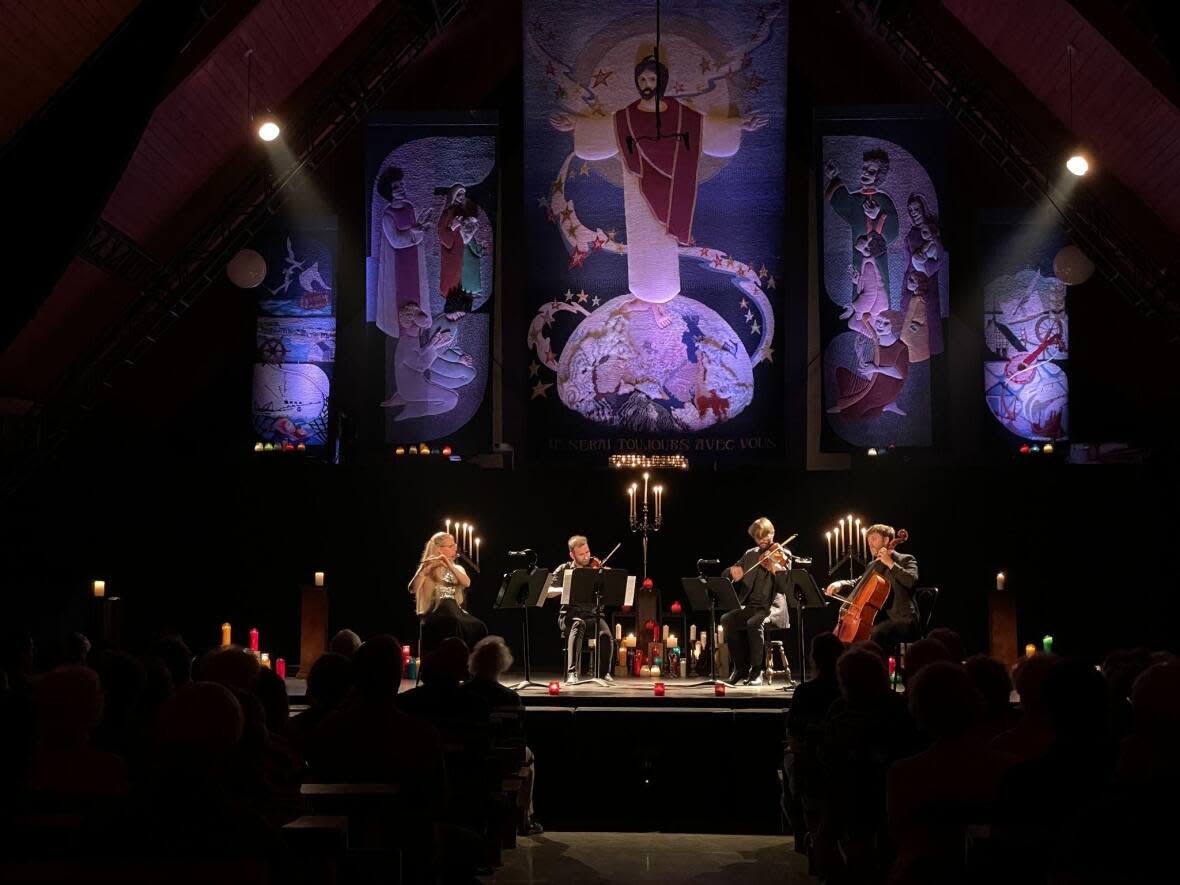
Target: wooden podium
313	627
1001	626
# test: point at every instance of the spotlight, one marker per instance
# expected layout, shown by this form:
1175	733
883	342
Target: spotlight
267	127
1077	165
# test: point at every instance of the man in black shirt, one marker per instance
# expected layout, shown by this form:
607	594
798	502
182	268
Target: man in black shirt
901	571
574	620
764	603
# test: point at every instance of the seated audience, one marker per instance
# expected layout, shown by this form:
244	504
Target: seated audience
994	687
67	766
1031	736
951	641
490	659
440	698
931	797
328	685
805	717
345	643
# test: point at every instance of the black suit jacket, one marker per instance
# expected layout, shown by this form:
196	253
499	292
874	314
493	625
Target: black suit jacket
902	578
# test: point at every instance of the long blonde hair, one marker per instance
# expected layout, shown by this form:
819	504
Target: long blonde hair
424	595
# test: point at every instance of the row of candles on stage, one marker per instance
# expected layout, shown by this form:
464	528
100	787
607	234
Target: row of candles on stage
100	587
464	534
280	665
658	495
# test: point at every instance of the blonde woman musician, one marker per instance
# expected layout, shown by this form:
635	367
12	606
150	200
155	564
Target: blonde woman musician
438	586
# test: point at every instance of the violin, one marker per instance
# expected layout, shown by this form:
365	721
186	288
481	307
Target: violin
595	562
859	611
776	554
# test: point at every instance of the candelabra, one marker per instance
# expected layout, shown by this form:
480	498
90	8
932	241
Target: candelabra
465	540
847	546
645	520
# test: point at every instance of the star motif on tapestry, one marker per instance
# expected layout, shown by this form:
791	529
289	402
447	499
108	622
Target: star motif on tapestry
577	259
539	389
534	368
600	78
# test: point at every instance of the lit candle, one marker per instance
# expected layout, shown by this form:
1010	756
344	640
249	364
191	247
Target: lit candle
100	589
319	579
448	525
645	491
1047	643
1030	650
630	641
618	632
664	634
477	543
673	641
692	633
836	532
851	540
225	635
281	668
631	499
266	660
858	538
864	543
253	639
622	657
719	689
470	537
658	689
720	634
655	672
1001	581
554	688
828	536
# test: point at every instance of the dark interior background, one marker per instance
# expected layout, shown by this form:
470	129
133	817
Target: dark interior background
164	498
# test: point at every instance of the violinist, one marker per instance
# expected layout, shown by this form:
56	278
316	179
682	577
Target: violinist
900	570
574	621
763	603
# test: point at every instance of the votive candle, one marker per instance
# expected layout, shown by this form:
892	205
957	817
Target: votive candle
319	579
281	668
226	632
100	589
253	639
658	688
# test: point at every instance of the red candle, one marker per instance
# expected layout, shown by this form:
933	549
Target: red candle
554	688
638	669
405	654
676	607
892	665
253	639
281	668
719	689
658	688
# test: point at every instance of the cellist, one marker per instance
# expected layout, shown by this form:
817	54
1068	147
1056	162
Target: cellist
900	570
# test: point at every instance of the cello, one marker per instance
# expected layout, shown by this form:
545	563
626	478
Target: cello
859	610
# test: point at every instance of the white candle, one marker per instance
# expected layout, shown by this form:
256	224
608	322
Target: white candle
448	525
851	541
836	532
477	543
828	536
857	536
618	632
631	499
645	490
864	542
665	633
692	633
100	589
1001	580
319	579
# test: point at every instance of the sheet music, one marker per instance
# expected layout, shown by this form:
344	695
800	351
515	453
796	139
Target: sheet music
566	578
543	597
629	599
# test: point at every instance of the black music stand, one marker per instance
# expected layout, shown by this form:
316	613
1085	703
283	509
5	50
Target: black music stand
595	587
522	589
711	595
802	588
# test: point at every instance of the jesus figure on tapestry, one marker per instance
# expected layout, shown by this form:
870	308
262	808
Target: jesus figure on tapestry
661	163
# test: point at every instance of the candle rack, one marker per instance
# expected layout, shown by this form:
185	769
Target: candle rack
847	544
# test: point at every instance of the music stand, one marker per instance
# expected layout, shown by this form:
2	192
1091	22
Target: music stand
807	595
712	595
595	587
522	589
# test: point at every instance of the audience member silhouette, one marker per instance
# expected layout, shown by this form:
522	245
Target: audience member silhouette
345	643
932	796
328	685
1031	736
994	686
951	640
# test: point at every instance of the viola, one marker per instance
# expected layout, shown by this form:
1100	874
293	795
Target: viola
859	610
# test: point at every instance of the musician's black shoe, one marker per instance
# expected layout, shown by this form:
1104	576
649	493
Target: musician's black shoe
755	679
734	679
607	677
